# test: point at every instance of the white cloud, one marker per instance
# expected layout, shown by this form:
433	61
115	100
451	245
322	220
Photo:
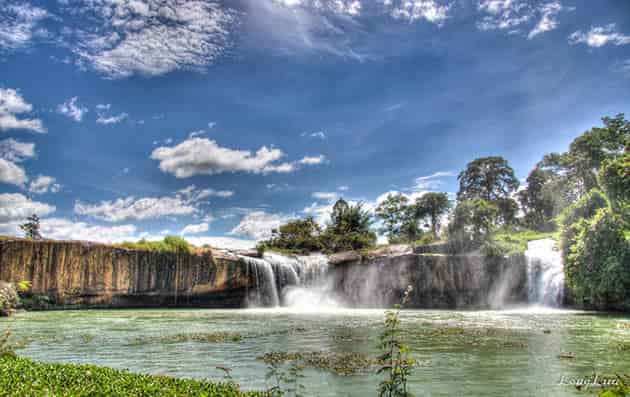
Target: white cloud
432	181
15	207
202	156
599	36
20	24
12	173
43	184
130	208
71	109
103	106
102	119
327	196
192	194
230	243
212	124
257	225
343	188
350	7
317	134
16	151
196	133
152	37
12	104
413	10
313	160
64	229
195	229
548	19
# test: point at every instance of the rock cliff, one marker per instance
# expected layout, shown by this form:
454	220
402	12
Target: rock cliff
82	274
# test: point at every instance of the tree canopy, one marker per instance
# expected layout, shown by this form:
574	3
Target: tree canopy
490	178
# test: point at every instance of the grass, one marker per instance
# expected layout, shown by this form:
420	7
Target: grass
170	244
336	363
211	337
23	377
511	242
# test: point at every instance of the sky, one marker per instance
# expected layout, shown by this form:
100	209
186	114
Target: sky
218	121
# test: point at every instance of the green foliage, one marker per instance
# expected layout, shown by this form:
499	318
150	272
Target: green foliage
22	377
170	244
349	229
614	177
397	363
6	348
31	228
508	242
393	212
286	381
620	389
471	223
597	259
542	199
432	205
300	236
489	178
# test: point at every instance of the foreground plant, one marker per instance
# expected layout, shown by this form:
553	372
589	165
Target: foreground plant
286	382
397	363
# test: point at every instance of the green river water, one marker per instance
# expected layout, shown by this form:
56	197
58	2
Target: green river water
489	353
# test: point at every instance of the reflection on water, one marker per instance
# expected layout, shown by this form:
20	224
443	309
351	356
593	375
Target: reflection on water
510	352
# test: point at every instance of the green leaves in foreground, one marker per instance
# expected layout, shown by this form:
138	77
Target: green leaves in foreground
22	377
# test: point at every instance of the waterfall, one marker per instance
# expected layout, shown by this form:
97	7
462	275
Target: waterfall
545	273
294	281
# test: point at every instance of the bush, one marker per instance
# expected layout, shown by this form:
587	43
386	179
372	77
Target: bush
171	244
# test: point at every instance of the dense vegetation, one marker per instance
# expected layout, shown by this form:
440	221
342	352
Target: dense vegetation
171	244
348	229
23	377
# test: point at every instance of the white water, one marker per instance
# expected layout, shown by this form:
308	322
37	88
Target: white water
298	282
545	273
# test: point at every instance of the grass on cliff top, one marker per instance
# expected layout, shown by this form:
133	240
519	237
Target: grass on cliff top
23	377
172	244
513	242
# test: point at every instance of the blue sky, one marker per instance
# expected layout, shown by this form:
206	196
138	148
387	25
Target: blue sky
122	119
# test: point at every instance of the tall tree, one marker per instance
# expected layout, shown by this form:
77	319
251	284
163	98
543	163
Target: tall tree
432	205
31	228
393	212
489	178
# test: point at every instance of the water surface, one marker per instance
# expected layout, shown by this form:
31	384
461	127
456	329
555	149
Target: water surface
492	353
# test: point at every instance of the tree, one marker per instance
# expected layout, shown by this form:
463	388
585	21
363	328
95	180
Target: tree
489	178
432	205
614	177
471	224
394	213
302	235
539	200
349	228
31	228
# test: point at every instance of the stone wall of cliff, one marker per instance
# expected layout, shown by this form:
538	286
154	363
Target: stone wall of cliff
81	274
439	281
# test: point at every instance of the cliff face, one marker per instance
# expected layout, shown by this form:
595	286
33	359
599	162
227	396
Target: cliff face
80	274
439	281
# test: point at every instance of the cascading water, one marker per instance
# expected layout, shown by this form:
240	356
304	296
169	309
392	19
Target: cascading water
293	281
545	273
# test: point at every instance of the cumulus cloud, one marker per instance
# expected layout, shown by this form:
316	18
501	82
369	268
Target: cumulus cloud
71	109
258	225
102	119
193	194
20	23
16	207
64	229
152	37
11	104
12	173
131	208
195	228
599	36
43	184
16	151
413	10
202	156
